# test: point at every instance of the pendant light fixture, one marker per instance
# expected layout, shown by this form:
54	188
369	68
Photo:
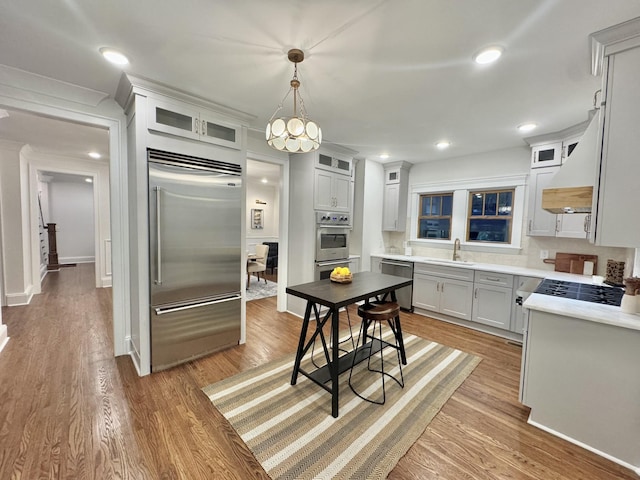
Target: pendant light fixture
297	133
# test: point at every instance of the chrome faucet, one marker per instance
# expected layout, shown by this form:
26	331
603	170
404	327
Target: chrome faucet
456	248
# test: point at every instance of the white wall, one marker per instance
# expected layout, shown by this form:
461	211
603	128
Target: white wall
72	212
99	172
16	276
270	214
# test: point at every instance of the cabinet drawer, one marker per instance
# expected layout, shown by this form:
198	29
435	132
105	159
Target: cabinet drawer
464	274
496	279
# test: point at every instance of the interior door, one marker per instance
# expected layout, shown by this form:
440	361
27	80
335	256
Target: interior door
195	224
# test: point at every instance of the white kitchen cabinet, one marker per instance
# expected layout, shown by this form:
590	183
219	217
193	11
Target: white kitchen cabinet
547	155
188	121
492	299
613	222
573	225
354	264
396	191
545	224
332	191
332	163
541	223
446	290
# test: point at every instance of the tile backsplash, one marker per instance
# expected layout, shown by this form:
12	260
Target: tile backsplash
528	256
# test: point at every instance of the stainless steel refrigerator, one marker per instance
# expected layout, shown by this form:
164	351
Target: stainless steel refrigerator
195	256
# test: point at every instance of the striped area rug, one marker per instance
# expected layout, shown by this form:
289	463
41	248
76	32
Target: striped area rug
292	434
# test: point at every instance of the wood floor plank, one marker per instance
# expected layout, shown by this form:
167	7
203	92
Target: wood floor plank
69	410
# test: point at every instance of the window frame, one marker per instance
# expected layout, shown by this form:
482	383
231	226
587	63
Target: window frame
461	189
509	217
439	217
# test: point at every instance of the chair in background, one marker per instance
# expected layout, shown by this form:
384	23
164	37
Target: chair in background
272	258
259	264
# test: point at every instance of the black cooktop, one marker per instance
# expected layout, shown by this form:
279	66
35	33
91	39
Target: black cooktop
582	291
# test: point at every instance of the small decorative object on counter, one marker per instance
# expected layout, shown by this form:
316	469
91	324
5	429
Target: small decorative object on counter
341	275
630	299
615	273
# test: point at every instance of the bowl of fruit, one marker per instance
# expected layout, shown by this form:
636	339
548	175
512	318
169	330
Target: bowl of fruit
341	275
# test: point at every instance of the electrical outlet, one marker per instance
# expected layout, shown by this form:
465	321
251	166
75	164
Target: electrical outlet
544	254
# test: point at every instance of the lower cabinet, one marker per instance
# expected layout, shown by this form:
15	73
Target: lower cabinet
443	290
492	299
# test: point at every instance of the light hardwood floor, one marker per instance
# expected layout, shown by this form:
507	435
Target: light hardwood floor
69	410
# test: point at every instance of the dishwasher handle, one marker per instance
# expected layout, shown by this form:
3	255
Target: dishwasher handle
397	264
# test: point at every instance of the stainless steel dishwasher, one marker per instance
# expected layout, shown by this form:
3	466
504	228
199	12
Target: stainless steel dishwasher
403	269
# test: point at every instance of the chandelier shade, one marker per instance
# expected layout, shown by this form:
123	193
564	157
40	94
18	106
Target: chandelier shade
297	133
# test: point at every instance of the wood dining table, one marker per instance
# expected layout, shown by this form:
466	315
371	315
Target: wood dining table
365	286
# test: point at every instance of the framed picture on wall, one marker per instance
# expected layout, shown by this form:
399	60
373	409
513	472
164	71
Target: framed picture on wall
256	217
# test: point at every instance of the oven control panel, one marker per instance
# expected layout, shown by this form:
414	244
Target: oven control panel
333	218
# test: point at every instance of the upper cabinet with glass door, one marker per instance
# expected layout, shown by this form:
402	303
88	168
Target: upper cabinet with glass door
191	122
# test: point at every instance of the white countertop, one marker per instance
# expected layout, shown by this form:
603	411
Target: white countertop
593	312
490	267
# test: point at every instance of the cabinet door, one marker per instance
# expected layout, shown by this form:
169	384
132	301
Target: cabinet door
426	292
546	155
541	223
213	130
390	207
376	264
616	226
492	305
341	190
171	118
572	225
323	197
456	298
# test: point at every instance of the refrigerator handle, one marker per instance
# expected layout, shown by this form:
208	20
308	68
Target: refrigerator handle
161	311
158	280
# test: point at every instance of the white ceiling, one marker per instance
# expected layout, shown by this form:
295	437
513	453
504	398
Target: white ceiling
379	76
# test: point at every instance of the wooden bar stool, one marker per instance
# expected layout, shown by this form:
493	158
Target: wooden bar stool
378	313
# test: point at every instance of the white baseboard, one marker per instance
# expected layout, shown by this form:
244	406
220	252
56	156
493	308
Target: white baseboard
4	336
135	356
43	271
106	282
64	260
15	299
633	468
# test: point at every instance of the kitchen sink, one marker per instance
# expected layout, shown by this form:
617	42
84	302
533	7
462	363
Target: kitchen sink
447	262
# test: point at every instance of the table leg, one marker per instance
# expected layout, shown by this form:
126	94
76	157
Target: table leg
403	355
335	368
303	336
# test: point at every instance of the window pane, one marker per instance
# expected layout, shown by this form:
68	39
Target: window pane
490	203
447	201
504	203
426	206
435	228
489	230
476	204
435	205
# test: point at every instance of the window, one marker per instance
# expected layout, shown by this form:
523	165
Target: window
434	219
490	216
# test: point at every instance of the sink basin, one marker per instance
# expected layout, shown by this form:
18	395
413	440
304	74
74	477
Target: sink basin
448	262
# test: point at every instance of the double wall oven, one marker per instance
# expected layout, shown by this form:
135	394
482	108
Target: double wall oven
332	242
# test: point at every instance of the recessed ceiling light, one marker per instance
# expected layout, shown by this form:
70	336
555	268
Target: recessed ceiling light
488	55
384	156
442	144
264	180
3	113
88	180
95	155
527	127
114	56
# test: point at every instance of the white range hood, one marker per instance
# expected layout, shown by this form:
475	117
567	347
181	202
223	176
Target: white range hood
571	189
